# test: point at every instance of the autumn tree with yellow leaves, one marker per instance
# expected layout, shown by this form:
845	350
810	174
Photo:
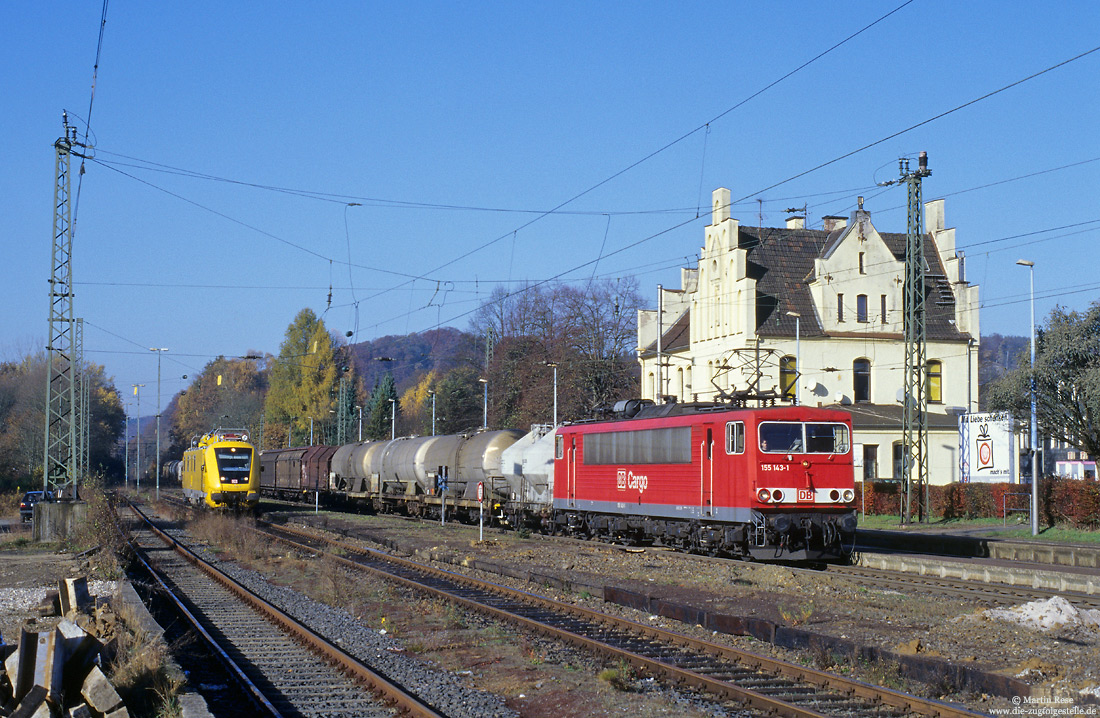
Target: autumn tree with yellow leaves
228	393
303	385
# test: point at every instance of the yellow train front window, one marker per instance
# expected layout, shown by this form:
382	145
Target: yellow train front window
234	464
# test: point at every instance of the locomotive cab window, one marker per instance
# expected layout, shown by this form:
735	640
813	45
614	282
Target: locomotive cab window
827	439
789	437
559	446
780	437
735	437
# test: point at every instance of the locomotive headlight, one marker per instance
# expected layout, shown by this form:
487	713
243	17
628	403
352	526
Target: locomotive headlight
244	437
777	495
849	495
834	495
763	496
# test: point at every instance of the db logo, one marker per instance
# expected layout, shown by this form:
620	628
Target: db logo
805	494
629	480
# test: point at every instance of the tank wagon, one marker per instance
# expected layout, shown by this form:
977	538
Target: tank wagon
220	471
769	484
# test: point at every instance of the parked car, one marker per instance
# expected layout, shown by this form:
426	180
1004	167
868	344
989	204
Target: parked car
26	505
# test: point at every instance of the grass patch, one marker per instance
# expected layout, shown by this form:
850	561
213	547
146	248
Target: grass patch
140	668
1057	534
1017	528
100	530
620	678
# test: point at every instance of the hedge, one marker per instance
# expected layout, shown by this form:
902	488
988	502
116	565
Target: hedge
1070	502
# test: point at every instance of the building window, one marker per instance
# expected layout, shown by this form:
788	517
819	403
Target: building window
788	377
935	382
883	308
840	307
861	308
861	379
861	269
870	462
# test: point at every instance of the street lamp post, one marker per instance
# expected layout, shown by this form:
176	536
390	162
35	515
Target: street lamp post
137	461
485	404
431	393
797	353
554	365
1034	427
360	422
393	419
159	353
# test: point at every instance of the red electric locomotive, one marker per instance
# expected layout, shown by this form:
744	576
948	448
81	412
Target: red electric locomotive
771	484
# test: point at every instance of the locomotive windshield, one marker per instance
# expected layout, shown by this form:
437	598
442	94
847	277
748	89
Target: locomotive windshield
234	464
790	437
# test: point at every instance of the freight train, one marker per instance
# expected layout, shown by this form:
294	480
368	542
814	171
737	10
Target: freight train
772	484
220	471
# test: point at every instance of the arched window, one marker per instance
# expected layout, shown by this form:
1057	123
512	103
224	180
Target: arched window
934	381
788	377
861	380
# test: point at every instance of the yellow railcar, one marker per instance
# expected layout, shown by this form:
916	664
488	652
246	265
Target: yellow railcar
221	470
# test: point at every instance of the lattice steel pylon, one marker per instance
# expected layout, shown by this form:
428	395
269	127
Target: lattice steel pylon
80	397
59	465
914	417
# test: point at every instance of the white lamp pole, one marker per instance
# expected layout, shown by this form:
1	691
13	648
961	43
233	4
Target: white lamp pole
1034	428
360	422
554	366
393	419
432	395
485	404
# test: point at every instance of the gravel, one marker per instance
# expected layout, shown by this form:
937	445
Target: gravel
443	690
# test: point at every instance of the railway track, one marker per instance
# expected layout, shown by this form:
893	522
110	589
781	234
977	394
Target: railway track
282	667
730	675
978	589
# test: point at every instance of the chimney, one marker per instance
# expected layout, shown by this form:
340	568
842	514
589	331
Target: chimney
833	222
796	223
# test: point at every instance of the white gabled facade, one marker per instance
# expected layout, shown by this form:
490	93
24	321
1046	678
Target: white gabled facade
735	311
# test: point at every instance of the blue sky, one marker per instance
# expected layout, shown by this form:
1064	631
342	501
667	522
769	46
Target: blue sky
454	126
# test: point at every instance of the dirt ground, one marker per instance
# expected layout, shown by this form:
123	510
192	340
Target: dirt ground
27	573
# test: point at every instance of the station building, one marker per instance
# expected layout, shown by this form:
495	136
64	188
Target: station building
816	316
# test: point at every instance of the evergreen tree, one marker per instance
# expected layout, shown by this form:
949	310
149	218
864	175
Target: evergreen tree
458	401
378	423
